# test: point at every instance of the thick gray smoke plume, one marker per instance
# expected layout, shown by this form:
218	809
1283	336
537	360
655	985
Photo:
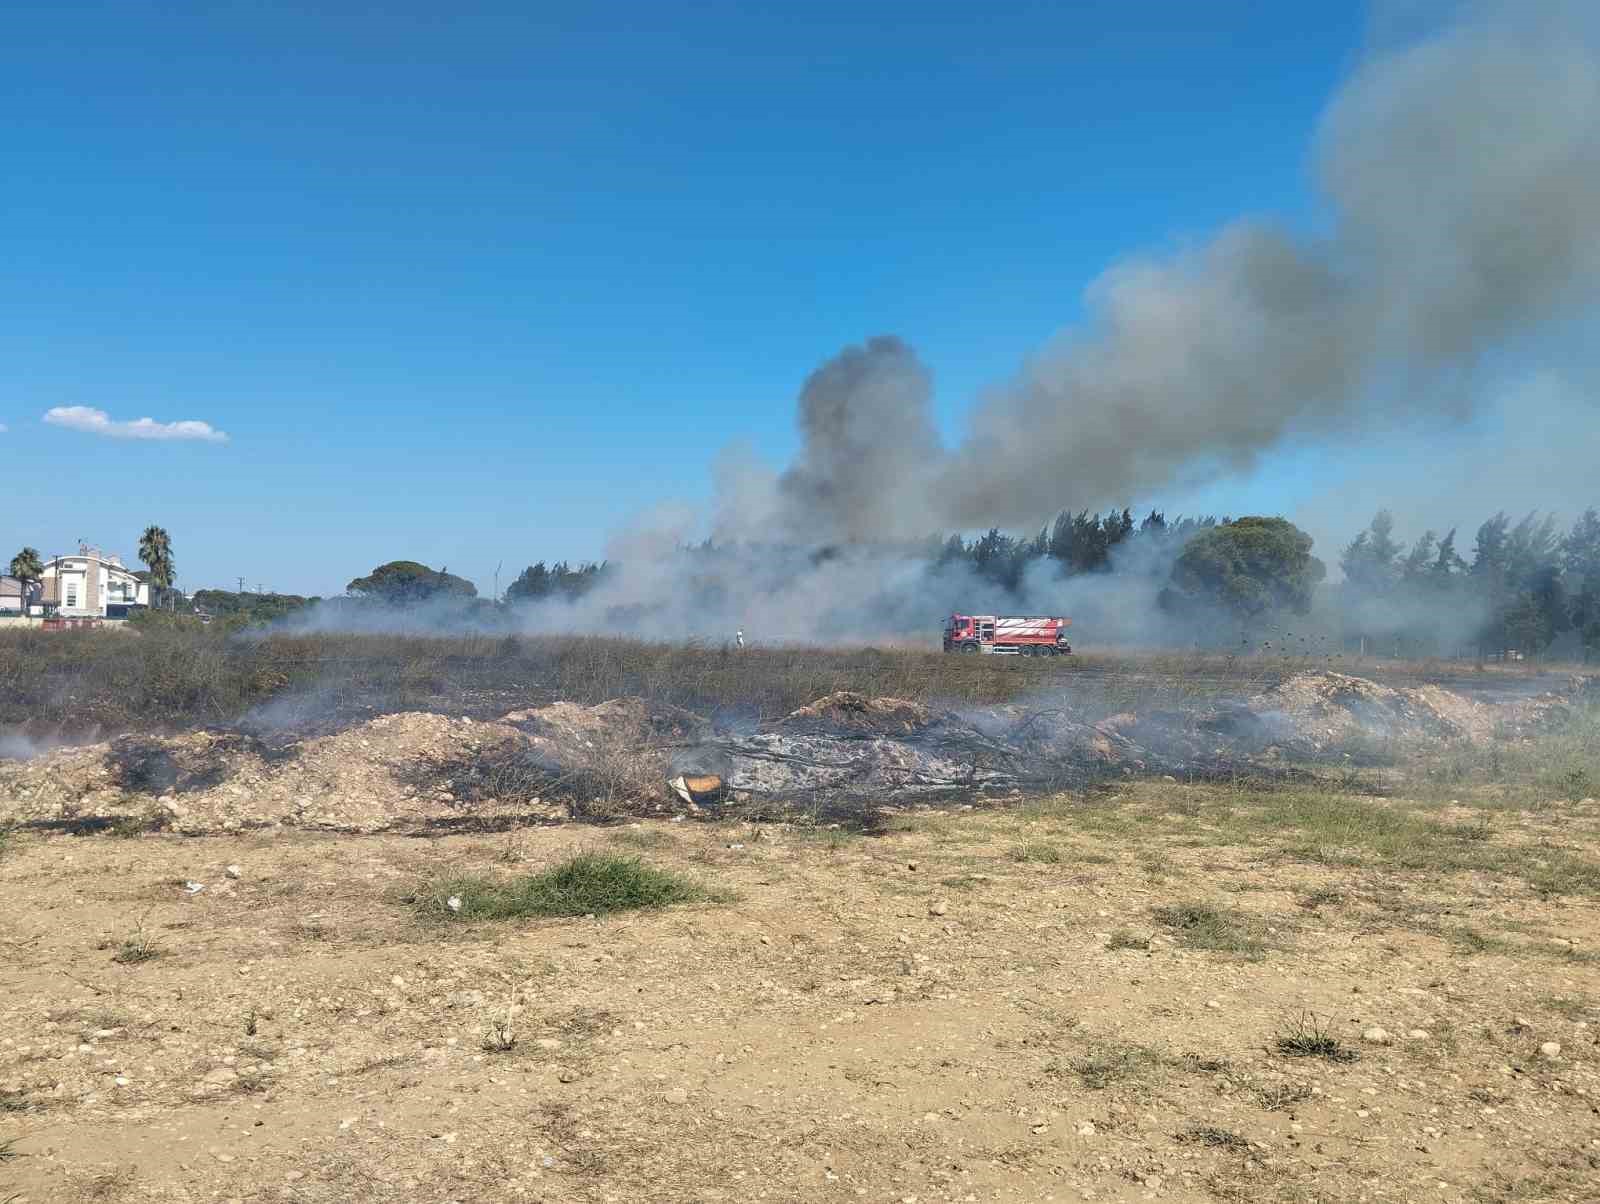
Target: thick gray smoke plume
867	441
1462	176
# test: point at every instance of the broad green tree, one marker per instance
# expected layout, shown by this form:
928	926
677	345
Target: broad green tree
1251	566
407	583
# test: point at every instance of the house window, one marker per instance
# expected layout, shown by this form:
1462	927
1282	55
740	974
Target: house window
72	595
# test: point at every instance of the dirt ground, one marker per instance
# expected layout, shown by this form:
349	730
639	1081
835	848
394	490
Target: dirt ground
1064	999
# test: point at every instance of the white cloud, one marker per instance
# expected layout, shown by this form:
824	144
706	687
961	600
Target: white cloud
98	422
3	428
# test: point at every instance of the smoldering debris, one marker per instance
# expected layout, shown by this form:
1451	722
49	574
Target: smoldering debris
843	756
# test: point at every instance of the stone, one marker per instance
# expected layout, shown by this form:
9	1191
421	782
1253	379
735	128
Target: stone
233	871
221	1076
1419	1034
677	1096
1550	1050
1377	1036
938	907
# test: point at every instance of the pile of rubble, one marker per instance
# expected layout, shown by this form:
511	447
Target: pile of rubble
427	772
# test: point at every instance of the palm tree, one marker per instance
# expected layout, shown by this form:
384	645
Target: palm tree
26	567
155	549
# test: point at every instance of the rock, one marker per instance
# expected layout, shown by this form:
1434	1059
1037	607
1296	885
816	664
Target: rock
548	1043
677	1096
1153	1182
938	907
220	1077
233	871
1550	1050
1086	1129
1419	1034
1377	1036
567	1075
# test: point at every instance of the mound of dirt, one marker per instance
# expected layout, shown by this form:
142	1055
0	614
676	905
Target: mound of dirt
419	771
1318	711
201	782
846	713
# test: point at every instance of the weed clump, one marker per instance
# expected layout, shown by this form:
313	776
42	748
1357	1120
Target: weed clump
1308	1037
588	884
1203	927
136	949
1210	1135
1124	938
1040	852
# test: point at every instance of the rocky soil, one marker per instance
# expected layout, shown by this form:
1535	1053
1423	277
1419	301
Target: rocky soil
1065	1002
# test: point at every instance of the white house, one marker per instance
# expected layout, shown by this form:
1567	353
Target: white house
91	585
12	596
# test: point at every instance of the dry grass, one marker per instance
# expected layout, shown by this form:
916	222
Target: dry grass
165	677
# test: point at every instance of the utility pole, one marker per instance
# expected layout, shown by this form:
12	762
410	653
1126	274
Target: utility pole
241	585
497	583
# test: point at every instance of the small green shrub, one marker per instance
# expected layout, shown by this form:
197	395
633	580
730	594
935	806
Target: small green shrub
588	884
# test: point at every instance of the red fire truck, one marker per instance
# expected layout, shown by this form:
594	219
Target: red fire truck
1007	635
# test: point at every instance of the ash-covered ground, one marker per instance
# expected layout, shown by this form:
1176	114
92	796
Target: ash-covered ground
844	756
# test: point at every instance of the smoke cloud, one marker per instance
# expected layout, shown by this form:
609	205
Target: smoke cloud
1460	176
1462	179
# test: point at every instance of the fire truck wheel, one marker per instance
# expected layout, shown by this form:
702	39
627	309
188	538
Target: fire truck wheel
969	647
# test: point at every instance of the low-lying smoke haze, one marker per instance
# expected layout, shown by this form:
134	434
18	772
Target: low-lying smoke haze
1460	180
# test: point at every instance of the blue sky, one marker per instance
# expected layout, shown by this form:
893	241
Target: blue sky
475	283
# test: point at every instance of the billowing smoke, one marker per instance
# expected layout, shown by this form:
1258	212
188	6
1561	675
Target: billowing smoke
1461	180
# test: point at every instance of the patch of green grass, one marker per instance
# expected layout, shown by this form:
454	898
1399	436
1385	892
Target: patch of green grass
1106	1065
1125	938
588	884
1199	926
1037	852
1308	1037
1338	830
1567	1006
